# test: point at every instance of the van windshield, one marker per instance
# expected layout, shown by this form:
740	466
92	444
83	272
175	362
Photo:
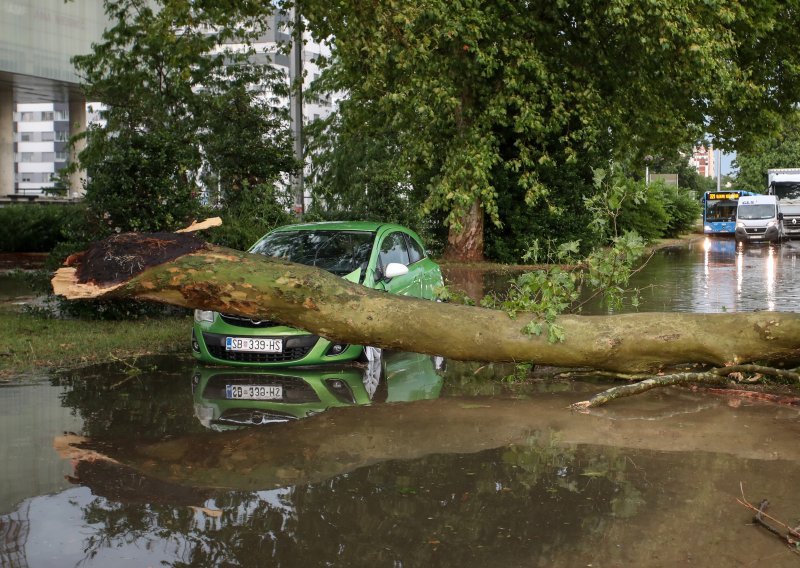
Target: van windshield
755	212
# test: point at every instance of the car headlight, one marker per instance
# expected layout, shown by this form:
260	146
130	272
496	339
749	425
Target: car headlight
203	315
740	225
771	224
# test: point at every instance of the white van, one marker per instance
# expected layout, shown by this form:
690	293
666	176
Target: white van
758	218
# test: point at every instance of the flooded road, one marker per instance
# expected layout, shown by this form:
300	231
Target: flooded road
415	461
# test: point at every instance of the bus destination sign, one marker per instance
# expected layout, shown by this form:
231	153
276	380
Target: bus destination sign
728	195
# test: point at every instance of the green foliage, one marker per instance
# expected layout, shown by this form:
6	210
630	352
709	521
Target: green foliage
544	293
548	293
251	215
683	210
781	149
461	83
608	270
532	233
179	111
622	204
33	228
614	193
358	173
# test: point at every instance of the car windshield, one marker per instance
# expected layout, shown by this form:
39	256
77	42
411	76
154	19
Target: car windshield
339	252
753	212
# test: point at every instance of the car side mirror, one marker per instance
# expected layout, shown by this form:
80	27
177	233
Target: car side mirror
780	216
395	269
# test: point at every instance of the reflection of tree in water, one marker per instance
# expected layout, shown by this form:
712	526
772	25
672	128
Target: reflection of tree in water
519	504
149	405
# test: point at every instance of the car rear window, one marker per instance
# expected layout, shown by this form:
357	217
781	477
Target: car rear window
339	252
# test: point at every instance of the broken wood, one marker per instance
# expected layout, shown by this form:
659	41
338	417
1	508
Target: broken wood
790	537
183	270
711	375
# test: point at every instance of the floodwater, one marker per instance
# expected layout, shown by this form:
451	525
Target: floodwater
414	461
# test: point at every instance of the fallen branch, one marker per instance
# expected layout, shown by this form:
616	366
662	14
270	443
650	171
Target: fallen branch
643	386
710	375
791	536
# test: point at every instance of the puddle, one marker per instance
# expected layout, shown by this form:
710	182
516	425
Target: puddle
468	470
416	462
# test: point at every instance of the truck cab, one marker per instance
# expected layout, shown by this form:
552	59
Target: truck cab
784	184
758	219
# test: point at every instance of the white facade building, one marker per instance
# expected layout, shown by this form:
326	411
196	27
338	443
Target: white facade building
41	134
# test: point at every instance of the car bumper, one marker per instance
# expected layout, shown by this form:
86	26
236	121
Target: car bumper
771	234
298	349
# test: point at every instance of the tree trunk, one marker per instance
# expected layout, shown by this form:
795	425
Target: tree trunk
340	440
184	271
466	245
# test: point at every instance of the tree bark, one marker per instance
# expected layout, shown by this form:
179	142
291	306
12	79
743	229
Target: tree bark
184	271
466	245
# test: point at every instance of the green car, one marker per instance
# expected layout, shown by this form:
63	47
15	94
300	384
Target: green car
234	398
382	256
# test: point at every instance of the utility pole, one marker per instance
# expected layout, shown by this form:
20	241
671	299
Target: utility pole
296	112
719	170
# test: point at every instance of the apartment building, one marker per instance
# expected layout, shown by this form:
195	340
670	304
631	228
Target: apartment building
41	134
703	161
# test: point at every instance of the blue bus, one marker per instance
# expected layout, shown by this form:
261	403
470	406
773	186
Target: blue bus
719	211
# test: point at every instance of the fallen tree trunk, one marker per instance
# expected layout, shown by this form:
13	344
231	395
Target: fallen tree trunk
185	271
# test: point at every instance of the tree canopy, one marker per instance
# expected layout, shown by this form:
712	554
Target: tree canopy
781	150
479	91
186	104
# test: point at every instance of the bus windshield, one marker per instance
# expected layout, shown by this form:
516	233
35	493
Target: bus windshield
721	210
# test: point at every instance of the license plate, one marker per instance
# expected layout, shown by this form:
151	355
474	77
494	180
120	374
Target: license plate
253	392
254	344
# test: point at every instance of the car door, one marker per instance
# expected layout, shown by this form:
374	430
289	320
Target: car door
427	273
394	248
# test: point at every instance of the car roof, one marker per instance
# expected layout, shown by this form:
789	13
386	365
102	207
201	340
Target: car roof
370	226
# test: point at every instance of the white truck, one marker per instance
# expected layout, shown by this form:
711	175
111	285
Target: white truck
784	184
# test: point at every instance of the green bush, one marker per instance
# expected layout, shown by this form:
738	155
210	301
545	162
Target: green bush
666	212
648	217
34	227
245	221
683	209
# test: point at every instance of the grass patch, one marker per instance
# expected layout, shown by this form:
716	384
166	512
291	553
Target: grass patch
32	343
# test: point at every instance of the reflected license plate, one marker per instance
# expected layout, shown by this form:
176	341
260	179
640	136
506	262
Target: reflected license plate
254	344
253	392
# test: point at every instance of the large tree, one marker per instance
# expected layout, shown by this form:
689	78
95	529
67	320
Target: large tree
781	150
604	78
185	103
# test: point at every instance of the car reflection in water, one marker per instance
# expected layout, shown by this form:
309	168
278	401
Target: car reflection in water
230	398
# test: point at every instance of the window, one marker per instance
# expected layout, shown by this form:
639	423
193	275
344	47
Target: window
48	136
48	115
415	250
393	249
25	136
339	252
62	156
